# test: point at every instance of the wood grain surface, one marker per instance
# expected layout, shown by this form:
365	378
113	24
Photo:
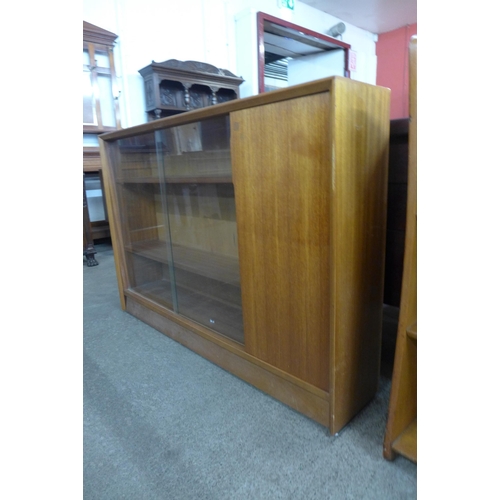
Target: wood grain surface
282	188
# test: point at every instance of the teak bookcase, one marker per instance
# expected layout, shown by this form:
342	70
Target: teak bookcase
401	431
253	232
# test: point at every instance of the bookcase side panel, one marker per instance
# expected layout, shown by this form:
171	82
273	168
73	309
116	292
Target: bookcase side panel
361	144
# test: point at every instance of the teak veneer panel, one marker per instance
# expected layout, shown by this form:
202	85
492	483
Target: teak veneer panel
361	129
282	206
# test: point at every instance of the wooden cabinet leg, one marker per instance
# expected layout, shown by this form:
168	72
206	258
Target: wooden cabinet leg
88	243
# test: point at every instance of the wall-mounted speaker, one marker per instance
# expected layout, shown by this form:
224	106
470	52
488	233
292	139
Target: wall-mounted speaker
336	30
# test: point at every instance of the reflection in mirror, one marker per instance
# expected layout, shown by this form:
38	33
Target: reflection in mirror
291	54
275	73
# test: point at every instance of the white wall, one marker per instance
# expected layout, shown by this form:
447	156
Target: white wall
219	32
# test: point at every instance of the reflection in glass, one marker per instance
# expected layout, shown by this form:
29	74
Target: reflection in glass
200	205
101	59
145	234
90	140
182	248
86	57
106	100
88	99
95	200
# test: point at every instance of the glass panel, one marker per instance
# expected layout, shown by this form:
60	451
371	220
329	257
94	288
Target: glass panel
90	140
106	100
142	218
86	58
200	206
101	59
95	200
88	100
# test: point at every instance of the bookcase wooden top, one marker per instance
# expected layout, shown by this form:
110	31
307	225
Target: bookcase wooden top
315	87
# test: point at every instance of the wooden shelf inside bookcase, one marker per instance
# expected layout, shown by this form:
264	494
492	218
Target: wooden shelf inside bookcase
100	230
178	180
209	167
406	443
211	265
411	331
197	306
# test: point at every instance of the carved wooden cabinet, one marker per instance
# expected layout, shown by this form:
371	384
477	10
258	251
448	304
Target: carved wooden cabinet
174	86
253	232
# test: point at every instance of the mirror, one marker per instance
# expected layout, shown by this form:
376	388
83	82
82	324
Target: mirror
290	54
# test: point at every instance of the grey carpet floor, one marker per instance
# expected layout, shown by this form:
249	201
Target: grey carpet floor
161	422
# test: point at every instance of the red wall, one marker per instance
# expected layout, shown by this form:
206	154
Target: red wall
392	67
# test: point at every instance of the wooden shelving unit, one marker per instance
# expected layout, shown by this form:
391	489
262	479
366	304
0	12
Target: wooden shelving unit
401	431
253	232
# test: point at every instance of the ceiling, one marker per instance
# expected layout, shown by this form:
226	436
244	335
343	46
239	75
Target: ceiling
376	16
